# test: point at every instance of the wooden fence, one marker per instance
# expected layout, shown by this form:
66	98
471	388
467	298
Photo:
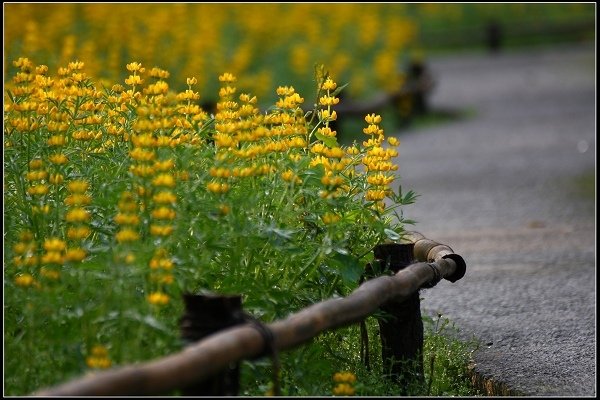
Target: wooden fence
214	354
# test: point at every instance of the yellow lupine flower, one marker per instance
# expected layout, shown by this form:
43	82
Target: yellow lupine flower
78	199
328	101
75	65
24	280
217	187
127	235
58	158
78	232
52	257
227	78
99	358
127	219
164	197
161	230
54	244
36	175
346	376
326	115
330	218
77	214
56	179
76	254
134	66
140	154
380	179
134	80
38	190
166	164
50	273
329	84
373	119
343	389
164	180
36	163
158	298
163	213
393	141
374	195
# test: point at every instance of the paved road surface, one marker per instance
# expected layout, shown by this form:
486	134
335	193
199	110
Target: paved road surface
500	189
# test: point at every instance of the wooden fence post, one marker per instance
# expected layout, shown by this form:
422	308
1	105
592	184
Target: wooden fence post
401	328
206	314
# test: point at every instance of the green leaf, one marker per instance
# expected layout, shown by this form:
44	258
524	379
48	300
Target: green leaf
339	89
329	141
348	267
392	235
313	175
410	197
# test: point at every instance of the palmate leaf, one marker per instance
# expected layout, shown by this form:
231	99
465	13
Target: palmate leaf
348	267
329	141
339	89
392	235
147	320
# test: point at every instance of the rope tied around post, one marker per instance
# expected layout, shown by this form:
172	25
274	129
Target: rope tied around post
270	348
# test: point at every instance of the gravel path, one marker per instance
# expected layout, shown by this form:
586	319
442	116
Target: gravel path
500	189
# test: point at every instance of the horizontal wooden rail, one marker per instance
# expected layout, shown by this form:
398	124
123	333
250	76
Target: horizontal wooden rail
210	355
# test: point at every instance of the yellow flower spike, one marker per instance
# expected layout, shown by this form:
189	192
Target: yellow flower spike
127	219
328	101
56	140
330	218
127	235
164	213
373	119
343	389
75	65
393	141
329	84
134	80
78	232
75	254
285	90
161	230
134	66
77	214
227	78
24	280
77	186
140	154
52	257
166	180
326	115
164	197
58	158
191	81
36	163
158	298
50	273
54	244
78	199
23	63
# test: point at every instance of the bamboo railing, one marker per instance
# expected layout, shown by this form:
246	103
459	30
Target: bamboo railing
209	356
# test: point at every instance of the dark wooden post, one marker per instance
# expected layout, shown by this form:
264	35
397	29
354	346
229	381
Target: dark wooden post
206	314
401	328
